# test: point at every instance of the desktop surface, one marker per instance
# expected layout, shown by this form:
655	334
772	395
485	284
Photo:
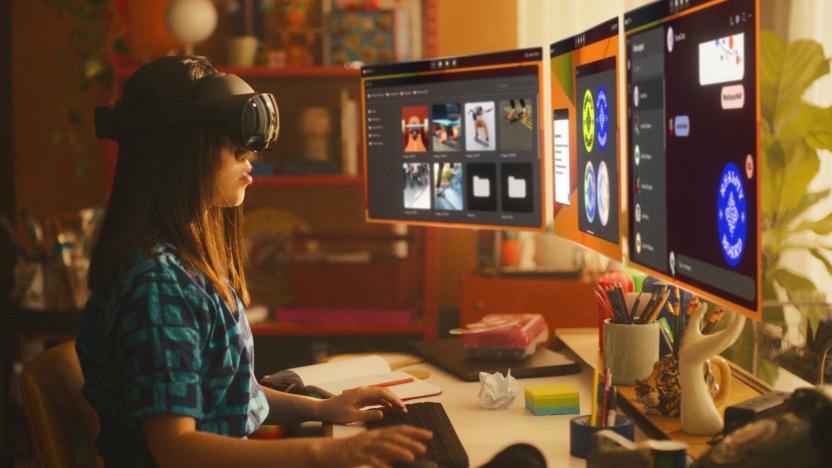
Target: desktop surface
484	433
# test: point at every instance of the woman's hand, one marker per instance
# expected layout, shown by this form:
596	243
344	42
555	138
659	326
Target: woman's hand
379	448
346	407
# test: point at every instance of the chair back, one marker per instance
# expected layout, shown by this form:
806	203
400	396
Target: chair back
62	424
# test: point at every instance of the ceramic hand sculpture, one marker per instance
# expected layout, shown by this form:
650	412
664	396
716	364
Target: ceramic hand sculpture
699	413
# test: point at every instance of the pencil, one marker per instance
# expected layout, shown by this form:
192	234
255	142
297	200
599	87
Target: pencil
712	320
649	307
619	292
594	414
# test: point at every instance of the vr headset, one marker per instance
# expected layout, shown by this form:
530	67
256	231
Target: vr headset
250	119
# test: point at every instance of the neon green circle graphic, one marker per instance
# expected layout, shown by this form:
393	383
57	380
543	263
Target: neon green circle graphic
589	121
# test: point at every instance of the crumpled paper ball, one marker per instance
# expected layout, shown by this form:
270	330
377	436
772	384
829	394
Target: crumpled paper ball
496	390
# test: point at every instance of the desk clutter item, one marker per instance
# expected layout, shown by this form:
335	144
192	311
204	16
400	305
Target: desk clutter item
444	448
630	350
503	336
552	399
608	448
496	390
449	354
699	413
332	378
581	432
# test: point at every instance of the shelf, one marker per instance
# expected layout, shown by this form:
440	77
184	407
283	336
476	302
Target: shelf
273	328
310	180
124	71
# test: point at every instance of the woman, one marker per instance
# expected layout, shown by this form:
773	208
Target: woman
164	343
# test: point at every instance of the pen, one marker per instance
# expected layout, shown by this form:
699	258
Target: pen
634	310
604	402
611	403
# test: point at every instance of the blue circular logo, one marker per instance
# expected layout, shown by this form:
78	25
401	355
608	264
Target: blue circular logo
602	118
732	216
589	192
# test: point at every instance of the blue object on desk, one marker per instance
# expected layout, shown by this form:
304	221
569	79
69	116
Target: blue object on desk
580	433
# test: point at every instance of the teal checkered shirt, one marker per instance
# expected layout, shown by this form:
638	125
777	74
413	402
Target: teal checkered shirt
162	340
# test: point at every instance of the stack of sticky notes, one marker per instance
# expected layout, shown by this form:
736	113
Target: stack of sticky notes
552	399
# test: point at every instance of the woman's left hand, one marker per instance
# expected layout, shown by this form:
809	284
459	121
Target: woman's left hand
346	407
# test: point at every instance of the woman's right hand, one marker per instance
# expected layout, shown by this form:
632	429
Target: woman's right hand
380	448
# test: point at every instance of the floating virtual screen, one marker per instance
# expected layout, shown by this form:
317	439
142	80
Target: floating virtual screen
585	139
455	141
693	146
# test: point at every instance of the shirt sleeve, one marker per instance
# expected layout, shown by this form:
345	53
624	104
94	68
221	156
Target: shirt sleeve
161	340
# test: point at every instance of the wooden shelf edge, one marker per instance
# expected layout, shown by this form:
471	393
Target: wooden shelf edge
125	70
273	328
312	180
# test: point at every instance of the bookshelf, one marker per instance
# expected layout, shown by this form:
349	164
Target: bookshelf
328	199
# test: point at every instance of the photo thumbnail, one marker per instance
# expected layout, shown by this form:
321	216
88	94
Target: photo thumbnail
446	123
416	185
415	129
516	124
447	186
480	134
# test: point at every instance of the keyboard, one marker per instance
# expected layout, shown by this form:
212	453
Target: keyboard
444	448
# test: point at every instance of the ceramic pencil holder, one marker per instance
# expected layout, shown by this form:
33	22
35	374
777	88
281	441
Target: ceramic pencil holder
630	350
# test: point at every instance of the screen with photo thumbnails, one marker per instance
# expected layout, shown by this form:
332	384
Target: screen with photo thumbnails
455	141
693	155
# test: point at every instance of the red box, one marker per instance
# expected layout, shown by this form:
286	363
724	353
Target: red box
504	336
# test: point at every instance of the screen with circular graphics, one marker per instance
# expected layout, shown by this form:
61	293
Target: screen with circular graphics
596	81
587	201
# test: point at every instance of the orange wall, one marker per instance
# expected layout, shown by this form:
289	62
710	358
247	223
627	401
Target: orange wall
468	27
45	174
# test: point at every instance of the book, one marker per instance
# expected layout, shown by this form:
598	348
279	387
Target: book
332	378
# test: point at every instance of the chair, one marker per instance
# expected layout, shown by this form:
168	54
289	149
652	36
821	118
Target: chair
62	424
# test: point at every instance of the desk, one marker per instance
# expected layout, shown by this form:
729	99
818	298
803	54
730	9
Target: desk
485	432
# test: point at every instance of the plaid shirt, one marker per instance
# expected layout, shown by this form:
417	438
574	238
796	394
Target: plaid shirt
162	340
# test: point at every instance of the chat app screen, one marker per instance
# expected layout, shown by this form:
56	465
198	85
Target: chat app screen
693	152
585	139
455	140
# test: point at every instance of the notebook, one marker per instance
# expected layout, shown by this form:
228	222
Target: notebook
332	378
449	354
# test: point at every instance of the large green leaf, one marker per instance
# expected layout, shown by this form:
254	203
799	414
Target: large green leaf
822	258
771	174
786	70
819	134
821	227
805	203
792	282
801	166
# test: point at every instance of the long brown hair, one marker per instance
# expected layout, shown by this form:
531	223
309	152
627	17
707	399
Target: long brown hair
164	187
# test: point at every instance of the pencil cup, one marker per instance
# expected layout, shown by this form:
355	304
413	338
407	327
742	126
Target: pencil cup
630	350
581	432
